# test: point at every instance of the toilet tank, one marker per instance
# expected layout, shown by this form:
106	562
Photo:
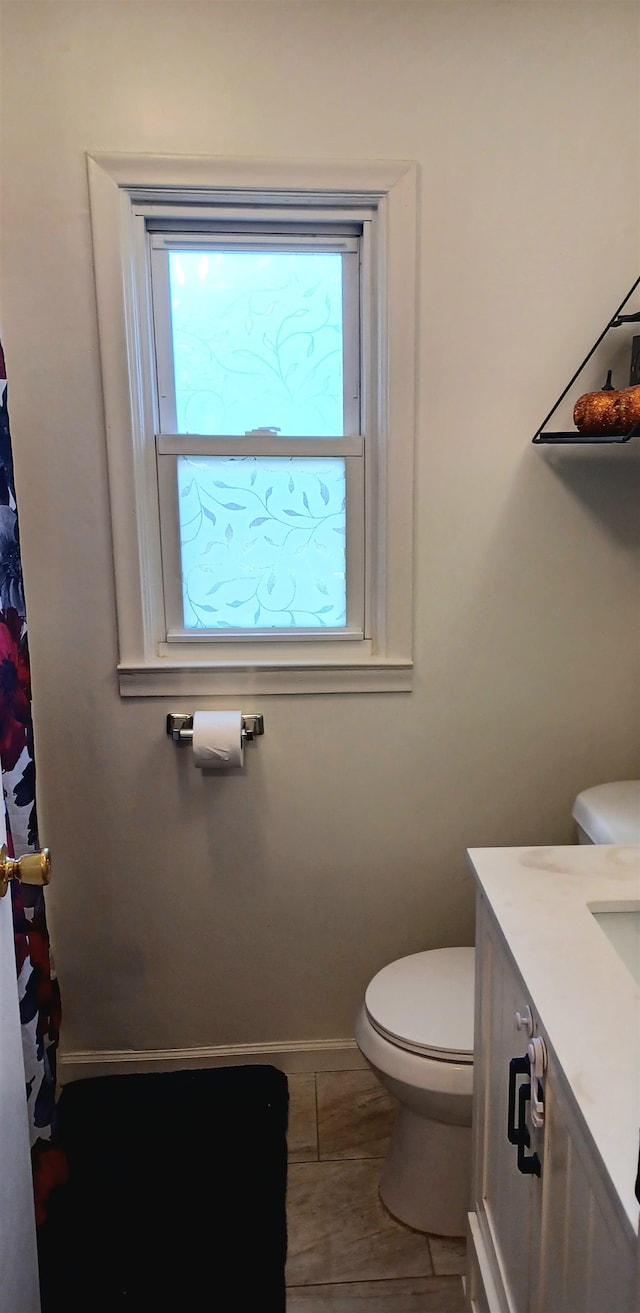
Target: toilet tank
609	813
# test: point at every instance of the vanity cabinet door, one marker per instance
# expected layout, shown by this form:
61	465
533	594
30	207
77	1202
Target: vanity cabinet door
506	1227
586	1264
548	1244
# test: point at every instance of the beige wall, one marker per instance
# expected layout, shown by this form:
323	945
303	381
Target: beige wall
193	912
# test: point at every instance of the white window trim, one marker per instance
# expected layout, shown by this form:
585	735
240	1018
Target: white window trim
118	186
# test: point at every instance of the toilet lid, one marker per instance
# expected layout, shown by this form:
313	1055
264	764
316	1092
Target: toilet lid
425	1003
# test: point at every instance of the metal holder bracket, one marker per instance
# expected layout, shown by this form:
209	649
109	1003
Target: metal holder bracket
180	727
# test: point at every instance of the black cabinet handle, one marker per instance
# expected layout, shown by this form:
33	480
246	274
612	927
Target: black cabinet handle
529	1166
517	1067
517	1130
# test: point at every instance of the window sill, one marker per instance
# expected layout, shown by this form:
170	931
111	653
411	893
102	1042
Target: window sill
164	679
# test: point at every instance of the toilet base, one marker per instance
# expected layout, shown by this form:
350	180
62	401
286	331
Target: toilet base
425	1180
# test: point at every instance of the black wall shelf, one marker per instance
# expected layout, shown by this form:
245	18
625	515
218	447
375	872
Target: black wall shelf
574	437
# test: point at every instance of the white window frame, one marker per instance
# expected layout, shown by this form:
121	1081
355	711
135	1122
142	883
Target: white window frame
124	192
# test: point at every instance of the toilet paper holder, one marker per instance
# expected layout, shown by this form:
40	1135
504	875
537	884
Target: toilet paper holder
180	727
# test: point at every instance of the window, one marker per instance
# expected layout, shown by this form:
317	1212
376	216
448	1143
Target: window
257	342
260	451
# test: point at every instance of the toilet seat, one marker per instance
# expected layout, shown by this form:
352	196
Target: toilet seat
424	1003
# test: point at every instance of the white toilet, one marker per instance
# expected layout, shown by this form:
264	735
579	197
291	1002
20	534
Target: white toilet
415	1029
609	813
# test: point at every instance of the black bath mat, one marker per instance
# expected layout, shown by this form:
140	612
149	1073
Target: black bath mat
176	1194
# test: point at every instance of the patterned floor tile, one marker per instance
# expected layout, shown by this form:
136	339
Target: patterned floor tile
355	1115
339	1230
418	1295
302	1135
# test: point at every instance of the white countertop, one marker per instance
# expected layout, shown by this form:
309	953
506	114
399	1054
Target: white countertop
583	995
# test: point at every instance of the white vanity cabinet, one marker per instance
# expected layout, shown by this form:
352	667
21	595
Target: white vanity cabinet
506	1204
560	1241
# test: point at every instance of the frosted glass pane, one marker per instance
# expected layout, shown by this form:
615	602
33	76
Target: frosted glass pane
262	542
257	341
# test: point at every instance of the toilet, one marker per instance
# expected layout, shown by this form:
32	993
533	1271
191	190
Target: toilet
609	813
415	1030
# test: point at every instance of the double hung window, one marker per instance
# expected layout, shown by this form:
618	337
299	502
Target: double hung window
260	451
260	448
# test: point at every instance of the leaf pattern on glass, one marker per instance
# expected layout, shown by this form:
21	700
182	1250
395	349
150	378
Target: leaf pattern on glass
255	582
257	341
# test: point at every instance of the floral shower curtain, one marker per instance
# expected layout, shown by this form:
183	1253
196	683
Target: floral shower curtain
37	985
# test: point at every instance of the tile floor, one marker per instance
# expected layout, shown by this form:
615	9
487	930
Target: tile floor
346	1253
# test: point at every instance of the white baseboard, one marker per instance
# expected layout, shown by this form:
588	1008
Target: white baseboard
305	1056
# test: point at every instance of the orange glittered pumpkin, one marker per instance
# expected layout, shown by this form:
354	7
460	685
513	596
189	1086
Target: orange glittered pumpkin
611	411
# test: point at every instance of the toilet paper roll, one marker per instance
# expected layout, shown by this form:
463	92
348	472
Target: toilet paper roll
217	739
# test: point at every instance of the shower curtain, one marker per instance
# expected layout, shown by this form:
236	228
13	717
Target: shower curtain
37	985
